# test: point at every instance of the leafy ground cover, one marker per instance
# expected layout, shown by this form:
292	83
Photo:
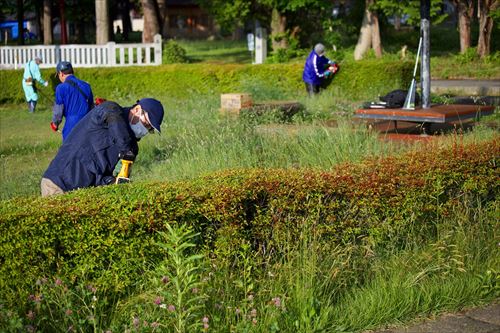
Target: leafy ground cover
414	234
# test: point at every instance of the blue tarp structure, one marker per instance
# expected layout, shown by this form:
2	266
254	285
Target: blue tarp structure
11	28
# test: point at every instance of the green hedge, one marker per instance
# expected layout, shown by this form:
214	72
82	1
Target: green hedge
107	234
187	80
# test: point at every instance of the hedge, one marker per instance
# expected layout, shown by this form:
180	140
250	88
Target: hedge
107	234
187	80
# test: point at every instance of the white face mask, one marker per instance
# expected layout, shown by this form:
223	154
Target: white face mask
139	129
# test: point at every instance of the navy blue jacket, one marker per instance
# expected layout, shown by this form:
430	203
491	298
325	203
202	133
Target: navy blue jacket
91	150
314	68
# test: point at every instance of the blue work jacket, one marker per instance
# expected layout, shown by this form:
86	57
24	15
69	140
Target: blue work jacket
75	102
314	68
90	153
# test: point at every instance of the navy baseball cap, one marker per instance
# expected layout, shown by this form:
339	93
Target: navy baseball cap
154	109
65	67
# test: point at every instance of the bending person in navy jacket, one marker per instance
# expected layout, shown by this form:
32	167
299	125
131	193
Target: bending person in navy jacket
315	69
95	145
73	99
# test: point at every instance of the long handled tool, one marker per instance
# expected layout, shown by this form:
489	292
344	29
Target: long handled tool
410	97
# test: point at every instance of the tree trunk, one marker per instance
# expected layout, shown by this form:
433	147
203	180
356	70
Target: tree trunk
365	35
376	42
80	30
101	21
38	18
162	11
485	26
47	22
20	20
397	22
151	24
62	10
465	10
125	15
278	30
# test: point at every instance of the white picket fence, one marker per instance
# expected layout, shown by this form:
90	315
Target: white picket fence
107	55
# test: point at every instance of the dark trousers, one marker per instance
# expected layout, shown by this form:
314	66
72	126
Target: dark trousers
312	89
31	106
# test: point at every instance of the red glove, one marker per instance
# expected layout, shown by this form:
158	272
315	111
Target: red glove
53	126
99	100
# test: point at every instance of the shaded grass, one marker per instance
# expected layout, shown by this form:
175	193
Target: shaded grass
217	51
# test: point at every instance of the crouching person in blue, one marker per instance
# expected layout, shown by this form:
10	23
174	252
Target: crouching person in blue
315	69
92	149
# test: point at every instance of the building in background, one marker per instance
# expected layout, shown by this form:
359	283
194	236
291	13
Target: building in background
182	19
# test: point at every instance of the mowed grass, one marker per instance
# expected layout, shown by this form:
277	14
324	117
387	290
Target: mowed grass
217	51
27	145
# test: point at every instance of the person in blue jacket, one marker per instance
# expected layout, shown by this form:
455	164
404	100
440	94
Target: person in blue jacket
73	100
30	77
315	69
93	148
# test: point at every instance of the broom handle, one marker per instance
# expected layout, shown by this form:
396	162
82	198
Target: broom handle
418	54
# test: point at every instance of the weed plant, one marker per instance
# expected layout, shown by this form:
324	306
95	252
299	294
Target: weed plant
303	285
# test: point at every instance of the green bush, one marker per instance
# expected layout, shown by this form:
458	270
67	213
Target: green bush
108	234
185	80
174	53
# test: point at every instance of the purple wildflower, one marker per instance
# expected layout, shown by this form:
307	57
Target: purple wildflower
136	322
171	308
277	301
69	312
158	300
165	280
155	324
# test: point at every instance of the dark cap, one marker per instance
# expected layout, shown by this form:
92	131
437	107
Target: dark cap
154	109
64	67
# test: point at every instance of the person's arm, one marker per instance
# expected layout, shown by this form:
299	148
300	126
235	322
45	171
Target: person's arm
58	107
35	71
320	72
118	129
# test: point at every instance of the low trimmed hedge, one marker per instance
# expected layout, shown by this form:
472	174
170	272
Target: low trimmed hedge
107	234
187	80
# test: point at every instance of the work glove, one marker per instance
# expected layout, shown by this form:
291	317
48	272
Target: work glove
54	126
128	156
46	84
99	100
108	180
327	73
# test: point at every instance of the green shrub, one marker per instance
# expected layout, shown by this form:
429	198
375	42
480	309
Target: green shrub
186	80
174	53
108	234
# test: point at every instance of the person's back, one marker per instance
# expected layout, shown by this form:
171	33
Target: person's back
76	104
73	98
314	68
91	150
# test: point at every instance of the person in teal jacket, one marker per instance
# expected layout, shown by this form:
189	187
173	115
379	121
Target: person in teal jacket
30	77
